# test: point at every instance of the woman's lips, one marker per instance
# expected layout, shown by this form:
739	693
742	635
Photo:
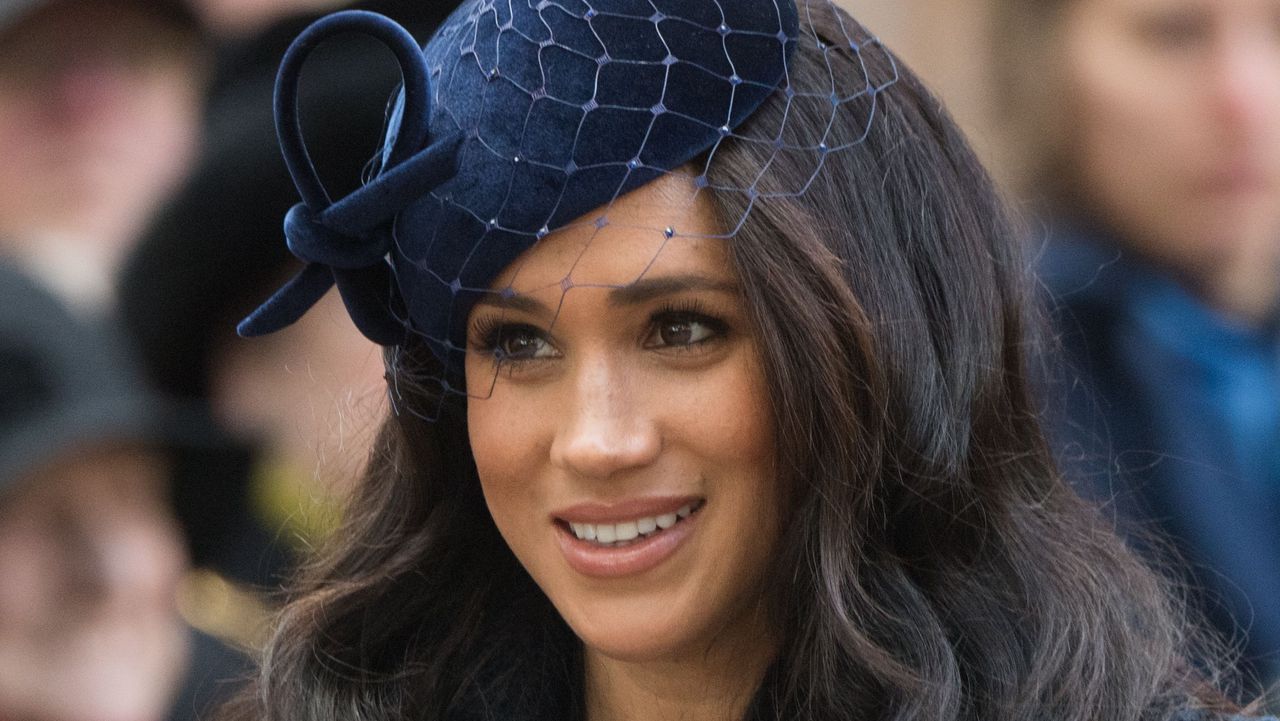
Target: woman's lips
625	540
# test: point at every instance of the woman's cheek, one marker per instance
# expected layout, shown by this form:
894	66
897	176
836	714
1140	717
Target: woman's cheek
503	443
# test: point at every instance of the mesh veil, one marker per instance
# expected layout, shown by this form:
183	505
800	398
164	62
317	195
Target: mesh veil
655	89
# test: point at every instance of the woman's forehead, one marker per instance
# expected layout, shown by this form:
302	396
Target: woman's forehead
668	227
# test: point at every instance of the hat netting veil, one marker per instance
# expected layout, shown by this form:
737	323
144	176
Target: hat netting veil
522	118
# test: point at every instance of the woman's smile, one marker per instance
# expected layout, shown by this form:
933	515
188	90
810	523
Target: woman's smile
628	538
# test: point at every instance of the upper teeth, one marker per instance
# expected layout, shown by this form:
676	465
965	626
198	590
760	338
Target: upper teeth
630	530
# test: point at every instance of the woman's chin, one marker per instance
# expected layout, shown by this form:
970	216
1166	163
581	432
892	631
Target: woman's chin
632	648
634	637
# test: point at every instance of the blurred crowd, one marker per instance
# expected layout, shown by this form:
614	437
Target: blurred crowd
159	476
1149	137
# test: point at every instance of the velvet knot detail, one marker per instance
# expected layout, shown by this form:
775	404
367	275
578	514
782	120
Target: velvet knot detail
347	243
314	242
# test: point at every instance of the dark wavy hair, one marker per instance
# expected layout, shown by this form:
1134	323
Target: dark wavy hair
934	567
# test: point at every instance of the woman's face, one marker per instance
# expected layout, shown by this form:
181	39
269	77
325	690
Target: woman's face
1174	114
625	443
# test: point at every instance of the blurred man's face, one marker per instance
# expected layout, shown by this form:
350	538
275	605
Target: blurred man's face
1175	125
89	563
99	114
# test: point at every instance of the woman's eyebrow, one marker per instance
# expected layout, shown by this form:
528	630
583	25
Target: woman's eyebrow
513	301
641	291
646	289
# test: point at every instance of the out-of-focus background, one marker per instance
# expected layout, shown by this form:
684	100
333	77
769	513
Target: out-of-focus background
950	44
160	476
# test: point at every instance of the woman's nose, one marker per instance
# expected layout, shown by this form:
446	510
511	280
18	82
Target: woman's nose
607	428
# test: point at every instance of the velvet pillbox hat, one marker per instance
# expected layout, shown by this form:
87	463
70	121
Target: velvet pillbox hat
516	120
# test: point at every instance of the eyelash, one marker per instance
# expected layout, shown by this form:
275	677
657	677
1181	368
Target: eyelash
690	311
493	332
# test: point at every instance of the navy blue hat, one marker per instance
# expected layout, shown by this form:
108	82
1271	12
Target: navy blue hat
517	119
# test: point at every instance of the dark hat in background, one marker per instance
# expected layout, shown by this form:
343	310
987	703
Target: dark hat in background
65	383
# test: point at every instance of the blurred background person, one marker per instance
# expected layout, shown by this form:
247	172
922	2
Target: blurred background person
99	120
294	416
1150	131
90	555
106	109
244	20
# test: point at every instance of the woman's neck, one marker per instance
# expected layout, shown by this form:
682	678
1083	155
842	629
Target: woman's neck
715	683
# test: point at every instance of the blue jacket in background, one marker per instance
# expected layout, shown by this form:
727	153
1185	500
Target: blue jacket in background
1169	414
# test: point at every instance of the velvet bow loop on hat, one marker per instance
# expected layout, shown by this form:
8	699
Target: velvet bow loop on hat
346	243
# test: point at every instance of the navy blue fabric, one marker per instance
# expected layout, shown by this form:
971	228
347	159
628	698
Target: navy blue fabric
535	113
346	243
1170	413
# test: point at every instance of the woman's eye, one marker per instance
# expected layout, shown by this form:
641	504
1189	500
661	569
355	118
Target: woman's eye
519	343
682	331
